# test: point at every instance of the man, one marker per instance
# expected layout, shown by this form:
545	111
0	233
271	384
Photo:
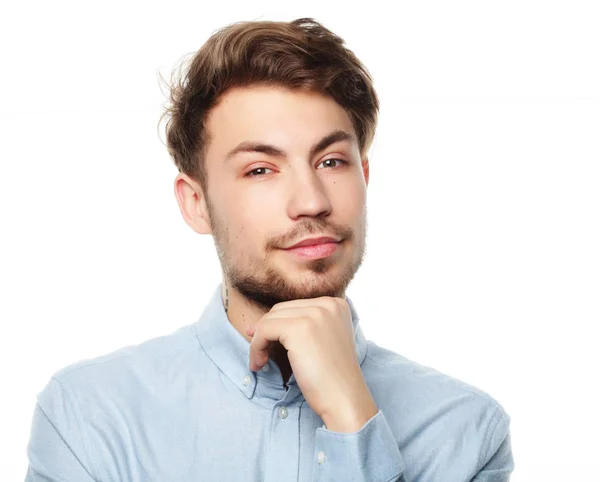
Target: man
269	127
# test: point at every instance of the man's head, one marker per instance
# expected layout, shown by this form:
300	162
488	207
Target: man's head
300	111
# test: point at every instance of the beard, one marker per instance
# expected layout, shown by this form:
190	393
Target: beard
267	286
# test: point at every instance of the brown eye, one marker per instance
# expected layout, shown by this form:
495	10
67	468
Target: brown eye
334	159
249	173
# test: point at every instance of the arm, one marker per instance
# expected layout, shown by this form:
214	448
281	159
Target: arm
498	463
372	454
369	455
56	446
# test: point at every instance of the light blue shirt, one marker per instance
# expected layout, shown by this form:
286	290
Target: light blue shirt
186	407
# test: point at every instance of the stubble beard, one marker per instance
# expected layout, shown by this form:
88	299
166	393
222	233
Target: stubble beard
267	287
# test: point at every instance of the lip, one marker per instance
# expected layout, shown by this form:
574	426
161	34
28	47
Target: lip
314	251
314	242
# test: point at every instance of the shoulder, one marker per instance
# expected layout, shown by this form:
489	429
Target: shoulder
96	406
384	364
431	412
130	368
427	395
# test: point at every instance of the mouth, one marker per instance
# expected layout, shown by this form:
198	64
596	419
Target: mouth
314	251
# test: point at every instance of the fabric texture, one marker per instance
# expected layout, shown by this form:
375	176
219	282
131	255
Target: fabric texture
186	407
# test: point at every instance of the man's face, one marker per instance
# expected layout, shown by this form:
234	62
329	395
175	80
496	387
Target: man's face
260	203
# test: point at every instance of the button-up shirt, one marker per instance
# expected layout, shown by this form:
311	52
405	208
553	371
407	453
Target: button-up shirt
187	407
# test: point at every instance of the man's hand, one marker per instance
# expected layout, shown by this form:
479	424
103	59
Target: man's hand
319	337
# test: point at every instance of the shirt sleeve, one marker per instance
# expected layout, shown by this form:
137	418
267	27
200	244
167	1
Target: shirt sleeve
369	455
56	448
498	463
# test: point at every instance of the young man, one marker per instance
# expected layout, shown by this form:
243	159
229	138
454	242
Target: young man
270	127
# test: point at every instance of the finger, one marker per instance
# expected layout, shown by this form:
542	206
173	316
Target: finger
321	300
267	332
290	312
259	347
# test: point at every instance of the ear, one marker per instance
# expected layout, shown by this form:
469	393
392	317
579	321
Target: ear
192	204
365	167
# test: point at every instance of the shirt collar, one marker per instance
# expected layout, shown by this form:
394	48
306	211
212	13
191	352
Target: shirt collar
230	352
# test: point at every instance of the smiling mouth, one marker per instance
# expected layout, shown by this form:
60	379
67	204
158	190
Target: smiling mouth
315	251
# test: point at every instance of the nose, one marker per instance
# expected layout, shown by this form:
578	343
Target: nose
308	196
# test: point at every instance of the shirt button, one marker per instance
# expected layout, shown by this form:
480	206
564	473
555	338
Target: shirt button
283	412
321	457
246	380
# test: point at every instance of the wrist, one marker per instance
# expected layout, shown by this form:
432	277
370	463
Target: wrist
351	416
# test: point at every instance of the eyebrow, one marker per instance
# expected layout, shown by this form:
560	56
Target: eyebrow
270	150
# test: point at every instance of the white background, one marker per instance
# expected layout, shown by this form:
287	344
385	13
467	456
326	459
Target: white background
484	201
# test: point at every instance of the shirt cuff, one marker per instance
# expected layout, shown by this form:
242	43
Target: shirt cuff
369	455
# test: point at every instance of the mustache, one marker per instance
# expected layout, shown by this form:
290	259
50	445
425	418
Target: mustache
318	228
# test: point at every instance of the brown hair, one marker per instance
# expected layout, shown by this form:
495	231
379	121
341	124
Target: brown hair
301	54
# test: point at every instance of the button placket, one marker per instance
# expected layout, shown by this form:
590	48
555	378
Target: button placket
283	443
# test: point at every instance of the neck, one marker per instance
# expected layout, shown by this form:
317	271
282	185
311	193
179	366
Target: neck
242	314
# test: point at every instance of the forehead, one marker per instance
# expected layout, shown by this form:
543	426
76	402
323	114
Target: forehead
290	119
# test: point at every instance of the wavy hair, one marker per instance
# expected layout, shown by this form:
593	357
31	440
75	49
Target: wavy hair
301	54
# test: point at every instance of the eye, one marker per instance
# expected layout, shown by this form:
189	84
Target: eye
249	173
260	174
334	159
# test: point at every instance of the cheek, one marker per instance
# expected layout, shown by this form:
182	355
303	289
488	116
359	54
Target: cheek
250	226
261	204
351	199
